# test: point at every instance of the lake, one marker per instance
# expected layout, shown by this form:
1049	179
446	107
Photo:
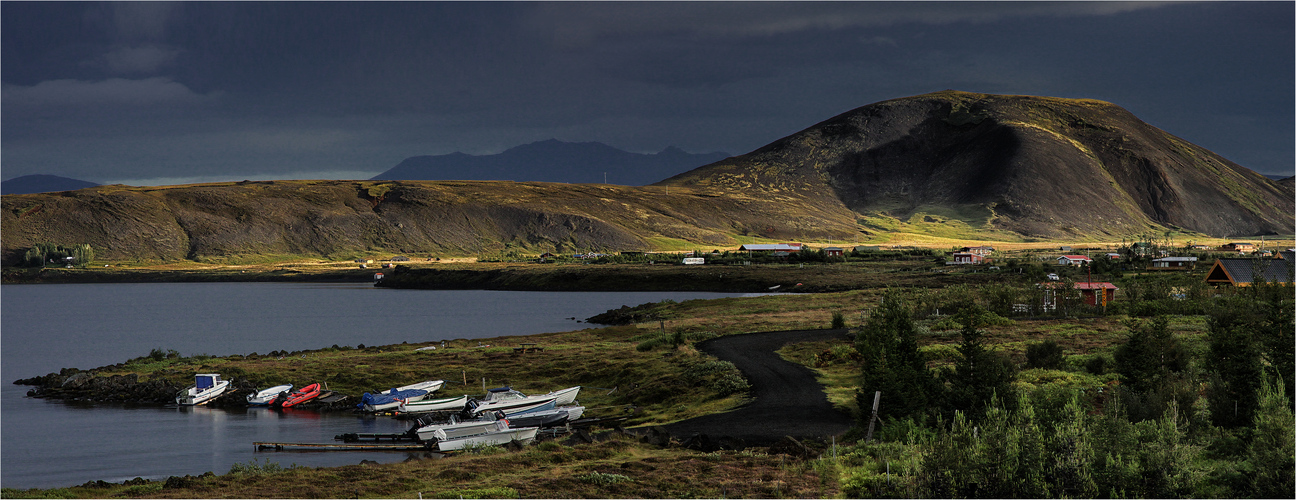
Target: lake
44	328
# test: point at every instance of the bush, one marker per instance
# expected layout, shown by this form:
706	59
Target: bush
1047	354
838	321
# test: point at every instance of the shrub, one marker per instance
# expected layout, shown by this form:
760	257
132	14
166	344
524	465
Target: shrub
1047	354
603	479
838	321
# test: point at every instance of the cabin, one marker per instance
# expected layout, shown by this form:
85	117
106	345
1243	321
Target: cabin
1244	272
1199	247
1239	247
1113	256
833	252
1173	263
1073	260
771	247
962	258
1096	293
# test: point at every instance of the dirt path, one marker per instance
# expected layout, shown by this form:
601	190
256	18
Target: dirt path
788	399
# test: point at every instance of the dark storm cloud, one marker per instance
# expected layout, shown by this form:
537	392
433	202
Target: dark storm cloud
156	92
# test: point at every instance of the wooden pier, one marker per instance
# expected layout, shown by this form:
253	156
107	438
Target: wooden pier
266	445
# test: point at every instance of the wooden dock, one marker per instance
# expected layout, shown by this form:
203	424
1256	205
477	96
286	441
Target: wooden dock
266	445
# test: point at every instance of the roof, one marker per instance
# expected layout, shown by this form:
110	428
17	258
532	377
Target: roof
1075	257
1243	272
1175	259
1094	285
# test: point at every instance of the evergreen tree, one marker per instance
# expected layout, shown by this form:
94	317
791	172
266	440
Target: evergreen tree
1272	453
979	373
1235	363
891	363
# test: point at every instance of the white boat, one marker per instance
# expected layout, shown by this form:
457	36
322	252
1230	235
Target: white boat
206	387
512	401
565	396
507	400
430	386
443	404
502	434
455	429
265	396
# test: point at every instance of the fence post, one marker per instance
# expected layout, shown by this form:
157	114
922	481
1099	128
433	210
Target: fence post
877	396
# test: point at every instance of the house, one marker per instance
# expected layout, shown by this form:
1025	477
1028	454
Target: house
833	252
1239	247
1073	260
982	250
771	247
1096	293
966	258
1199	247
1174	263
1244	272
1113	256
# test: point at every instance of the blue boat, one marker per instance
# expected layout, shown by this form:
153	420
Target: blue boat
389	400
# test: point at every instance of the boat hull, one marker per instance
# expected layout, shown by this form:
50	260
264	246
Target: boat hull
193	397
522	435
428	405
266	396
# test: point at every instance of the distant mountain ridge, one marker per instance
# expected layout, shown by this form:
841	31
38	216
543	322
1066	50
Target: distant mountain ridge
553	161
42	183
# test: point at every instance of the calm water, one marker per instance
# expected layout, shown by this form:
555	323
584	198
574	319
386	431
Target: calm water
48	327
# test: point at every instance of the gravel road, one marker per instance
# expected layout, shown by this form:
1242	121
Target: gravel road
788	401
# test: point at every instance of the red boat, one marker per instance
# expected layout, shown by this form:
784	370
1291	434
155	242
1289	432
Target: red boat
300	396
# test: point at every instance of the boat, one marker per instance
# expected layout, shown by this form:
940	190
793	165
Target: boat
429	386
502	434
206	387
455	428
546	418
390	399
299	396
512	401
265	396
565	396
426	405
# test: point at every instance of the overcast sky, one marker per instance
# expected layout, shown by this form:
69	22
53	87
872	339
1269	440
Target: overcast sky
162	93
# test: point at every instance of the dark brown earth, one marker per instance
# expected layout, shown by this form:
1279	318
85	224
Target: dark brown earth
786	398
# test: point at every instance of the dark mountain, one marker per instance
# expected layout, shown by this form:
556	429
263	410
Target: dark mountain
553	161
1036	166
41	183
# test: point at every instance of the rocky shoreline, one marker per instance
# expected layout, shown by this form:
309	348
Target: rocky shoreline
71	384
